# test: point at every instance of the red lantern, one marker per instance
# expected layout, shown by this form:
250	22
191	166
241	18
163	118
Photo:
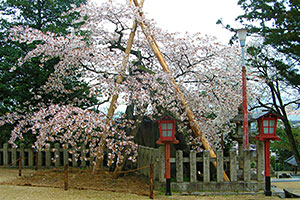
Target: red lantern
166	129
267	127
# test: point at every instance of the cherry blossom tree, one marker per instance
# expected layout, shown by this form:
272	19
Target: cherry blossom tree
206	71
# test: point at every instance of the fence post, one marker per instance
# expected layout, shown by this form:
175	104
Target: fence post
22	153
161	164
246	168
48	157
40	157
206	166
66	155
5	154
260	160
30	157
14	157
233	165
220	166
193	167
179	166
57	154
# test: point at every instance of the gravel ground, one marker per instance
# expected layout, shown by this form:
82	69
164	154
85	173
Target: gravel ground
14	192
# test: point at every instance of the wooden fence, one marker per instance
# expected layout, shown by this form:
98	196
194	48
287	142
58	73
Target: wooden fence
194	173
9	157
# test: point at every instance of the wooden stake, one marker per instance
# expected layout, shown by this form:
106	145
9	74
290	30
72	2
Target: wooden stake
36	161
20	166
66	177
193	123
151	181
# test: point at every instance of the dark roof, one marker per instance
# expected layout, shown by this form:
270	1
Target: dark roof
291	160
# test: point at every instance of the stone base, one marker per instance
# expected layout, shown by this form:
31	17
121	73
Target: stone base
237	186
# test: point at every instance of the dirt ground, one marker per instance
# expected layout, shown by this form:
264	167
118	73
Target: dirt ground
49	184
82	180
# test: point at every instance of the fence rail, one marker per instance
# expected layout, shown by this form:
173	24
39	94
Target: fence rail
52	157
194	173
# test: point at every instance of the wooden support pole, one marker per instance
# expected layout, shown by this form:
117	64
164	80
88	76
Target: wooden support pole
20	166
114	99
191	118
22	153
151	181
66	177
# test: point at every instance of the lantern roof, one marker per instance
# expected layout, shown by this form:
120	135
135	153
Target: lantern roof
267	113
168	117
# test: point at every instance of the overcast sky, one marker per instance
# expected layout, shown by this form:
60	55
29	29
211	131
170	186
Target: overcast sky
195	15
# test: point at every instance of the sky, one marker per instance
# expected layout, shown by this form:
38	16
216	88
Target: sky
195	16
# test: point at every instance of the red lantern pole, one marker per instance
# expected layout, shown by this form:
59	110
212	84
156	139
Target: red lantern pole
167	169
268	191
167	160
242	33
245	111
267	158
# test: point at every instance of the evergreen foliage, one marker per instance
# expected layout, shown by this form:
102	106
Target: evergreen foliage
21	86
278	22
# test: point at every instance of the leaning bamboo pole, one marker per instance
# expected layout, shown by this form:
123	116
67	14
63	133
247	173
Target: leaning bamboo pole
191	118
114	98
